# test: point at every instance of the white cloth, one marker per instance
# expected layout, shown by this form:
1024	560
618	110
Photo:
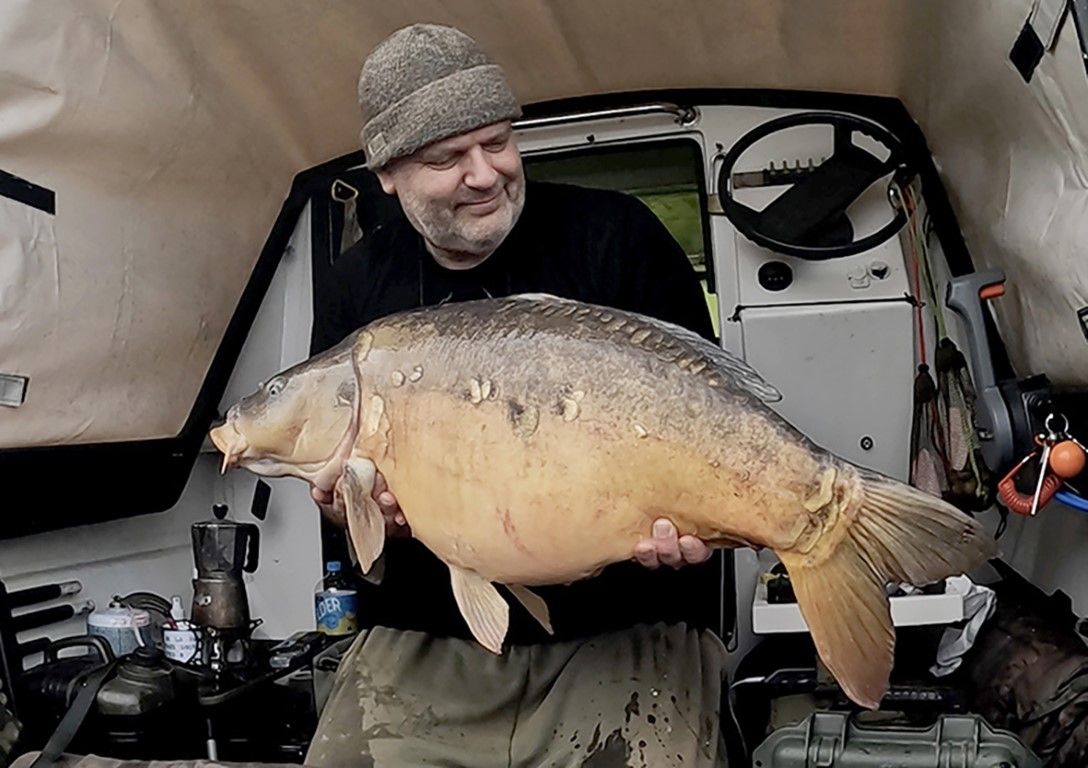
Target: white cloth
978	606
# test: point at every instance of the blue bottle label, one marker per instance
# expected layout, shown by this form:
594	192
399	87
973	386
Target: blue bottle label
336	612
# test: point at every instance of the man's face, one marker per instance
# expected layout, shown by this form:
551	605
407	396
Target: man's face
464	194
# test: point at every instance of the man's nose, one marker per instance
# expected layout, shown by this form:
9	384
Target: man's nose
480	173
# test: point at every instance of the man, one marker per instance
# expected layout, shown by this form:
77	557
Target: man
624	678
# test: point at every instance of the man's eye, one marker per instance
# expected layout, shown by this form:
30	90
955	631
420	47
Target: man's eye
496	146
441	163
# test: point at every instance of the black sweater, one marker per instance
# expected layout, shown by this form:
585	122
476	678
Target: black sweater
596	246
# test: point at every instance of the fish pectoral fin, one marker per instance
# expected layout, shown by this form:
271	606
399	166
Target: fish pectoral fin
534	604
377	571
366	524
484	610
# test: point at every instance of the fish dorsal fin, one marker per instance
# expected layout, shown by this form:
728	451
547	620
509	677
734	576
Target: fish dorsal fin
740	373
542	297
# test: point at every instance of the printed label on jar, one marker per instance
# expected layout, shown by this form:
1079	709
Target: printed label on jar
336	612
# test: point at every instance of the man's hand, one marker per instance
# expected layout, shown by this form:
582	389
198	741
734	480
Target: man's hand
395	522
331	505
665	547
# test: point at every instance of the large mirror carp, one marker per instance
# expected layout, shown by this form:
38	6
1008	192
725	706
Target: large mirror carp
533	440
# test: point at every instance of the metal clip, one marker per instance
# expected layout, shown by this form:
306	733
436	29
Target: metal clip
1044	473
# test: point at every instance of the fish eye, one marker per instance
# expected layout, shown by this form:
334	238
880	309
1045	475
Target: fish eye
275	387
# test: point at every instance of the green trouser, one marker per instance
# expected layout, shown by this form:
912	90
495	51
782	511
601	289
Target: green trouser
69	760
645	696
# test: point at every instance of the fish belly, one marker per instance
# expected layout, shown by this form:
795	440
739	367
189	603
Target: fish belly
544	500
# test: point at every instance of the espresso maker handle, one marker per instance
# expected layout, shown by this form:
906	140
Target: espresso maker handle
253	542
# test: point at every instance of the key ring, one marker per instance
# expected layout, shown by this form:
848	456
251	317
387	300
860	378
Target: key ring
1056	434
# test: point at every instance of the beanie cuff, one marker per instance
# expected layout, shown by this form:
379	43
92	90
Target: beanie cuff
458	103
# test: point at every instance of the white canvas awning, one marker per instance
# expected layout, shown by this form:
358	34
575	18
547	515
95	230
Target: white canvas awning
169	133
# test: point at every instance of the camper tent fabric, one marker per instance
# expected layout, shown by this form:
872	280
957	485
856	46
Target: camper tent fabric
169	133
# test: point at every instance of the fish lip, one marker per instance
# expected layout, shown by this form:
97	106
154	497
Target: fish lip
229	441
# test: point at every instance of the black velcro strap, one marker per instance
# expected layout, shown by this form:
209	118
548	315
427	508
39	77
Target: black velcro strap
1027	52
21	190
73	718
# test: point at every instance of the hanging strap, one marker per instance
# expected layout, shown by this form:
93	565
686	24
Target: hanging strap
1038	35
1046	19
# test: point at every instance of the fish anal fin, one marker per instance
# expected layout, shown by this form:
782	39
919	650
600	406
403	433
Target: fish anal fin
366	524
481	605
534	604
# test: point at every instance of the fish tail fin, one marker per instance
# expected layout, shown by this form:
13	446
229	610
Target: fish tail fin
899	535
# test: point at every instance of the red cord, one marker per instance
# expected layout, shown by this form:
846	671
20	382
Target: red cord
916	269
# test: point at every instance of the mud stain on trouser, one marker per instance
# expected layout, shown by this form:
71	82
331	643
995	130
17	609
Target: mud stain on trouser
615	752
622	700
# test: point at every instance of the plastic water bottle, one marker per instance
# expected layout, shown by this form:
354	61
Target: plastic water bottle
336	603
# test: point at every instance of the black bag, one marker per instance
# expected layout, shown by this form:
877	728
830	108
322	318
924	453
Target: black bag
1028	673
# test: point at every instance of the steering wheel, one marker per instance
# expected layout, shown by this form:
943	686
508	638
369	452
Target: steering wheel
809	219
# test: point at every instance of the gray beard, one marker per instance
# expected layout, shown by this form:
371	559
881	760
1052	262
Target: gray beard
443	229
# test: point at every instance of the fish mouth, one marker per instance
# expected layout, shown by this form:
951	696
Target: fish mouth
237	452
230	443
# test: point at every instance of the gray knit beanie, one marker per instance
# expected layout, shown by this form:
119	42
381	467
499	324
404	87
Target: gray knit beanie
425	83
